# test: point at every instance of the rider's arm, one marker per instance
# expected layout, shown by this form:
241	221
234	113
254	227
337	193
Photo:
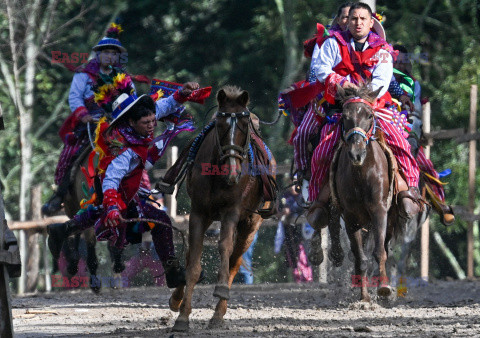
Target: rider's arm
166	106
76	97
328	57
120	167
325	58
382	72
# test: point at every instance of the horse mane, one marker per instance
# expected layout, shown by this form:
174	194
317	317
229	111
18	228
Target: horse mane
364	91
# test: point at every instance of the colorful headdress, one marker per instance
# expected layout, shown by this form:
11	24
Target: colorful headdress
109	88
111	38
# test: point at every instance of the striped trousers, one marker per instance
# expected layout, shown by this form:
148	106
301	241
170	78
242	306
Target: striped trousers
323	155
426	165
305	131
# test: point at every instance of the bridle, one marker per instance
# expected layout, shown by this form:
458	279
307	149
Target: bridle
233	150
366	135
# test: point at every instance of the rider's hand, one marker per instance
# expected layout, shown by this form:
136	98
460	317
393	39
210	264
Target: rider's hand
114	218
188	88
87	118
405	100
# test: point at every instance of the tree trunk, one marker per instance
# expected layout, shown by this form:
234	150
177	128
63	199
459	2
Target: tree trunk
33	262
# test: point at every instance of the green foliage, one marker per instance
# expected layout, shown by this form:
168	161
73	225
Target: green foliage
218	42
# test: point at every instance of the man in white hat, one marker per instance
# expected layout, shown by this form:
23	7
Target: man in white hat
109	55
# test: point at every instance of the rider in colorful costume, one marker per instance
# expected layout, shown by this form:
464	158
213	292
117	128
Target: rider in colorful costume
412	88
311	121
109	54
347	59
125	152
308	128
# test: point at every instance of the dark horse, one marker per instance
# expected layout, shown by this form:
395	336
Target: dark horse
76	193
231	198
362	178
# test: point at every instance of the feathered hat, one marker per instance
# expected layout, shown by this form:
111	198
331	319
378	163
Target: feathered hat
116	94
111	38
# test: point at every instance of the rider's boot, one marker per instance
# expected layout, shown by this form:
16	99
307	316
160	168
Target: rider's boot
411	202
445	212
58	233
318	214
175	273
54	204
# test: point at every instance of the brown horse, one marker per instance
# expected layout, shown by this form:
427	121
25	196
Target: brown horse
230	197
361	180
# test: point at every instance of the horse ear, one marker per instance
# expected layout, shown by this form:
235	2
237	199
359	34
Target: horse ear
243	99
376	92
221	96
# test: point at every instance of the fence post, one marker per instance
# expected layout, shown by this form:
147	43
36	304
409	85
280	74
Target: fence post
425	233
472	152
171	201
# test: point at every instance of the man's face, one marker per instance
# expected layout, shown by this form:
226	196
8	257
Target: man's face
145	125
359	23
343	19
401	62
109	57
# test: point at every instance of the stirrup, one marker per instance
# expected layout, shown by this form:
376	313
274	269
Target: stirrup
165	187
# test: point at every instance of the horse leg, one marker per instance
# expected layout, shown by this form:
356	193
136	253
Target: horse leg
116	255
335	254
198	224
72	254
246	231
225	249
380	232
361	262
92	260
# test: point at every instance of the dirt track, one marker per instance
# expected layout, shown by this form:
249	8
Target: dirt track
436	310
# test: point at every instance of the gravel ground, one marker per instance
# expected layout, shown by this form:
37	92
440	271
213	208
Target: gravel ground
441	308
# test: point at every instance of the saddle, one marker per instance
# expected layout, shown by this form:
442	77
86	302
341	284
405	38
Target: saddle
260	166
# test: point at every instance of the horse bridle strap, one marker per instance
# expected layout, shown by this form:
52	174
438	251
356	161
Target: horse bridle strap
235	115
242	152
357	130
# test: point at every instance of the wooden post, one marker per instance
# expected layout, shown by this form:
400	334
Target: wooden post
323	274
171	201
22	246
33	236
472	152
425	234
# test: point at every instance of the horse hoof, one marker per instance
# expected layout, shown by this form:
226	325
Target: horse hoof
336	257
174	304
216	323
222	292
72	270
384	291
180	326
95	289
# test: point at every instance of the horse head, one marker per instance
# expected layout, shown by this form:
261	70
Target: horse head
358	121
233	130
